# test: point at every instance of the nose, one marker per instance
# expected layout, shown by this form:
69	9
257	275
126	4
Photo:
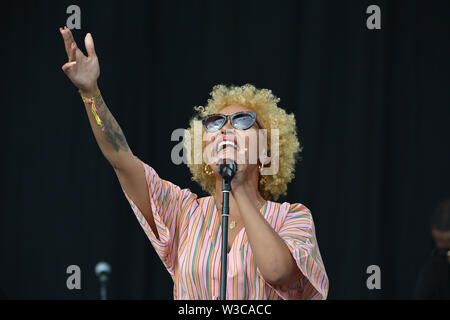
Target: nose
227	127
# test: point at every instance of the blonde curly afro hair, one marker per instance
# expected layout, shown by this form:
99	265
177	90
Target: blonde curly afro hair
270	116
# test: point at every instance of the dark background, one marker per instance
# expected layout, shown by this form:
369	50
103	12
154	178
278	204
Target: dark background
372	108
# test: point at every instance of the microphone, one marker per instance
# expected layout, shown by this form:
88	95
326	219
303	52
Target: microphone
103	270
227	168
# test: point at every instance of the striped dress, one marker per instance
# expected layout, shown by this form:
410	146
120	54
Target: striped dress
190	244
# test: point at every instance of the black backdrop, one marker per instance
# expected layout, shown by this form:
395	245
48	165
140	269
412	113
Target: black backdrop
372	109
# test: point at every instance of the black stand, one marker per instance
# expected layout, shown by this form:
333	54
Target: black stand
103	295
226	188
227	172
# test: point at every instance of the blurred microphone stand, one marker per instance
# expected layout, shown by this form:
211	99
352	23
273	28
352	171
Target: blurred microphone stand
103	270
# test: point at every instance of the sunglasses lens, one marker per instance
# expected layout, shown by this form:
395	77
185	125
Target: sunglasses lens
214	123
243	121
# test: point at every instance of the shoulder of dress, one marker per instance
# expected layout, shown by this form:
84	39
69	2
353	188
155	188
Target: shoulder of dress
297	207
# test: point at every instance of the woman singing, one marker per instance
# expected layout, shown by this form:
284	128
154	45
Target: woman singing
272	247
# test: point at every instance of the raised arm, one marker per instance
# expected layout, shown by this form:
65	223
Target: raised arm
84	71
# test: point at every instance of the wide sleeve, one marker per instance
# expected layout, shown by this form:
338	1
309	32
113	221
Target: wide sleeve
299	235
170	207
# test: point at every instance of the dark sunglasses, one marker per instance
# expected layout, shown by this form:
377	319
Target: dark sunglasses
239	120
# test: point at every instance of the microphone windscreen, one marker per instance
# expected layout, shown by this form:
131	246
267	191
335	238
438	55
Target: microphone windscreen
102	268
227	168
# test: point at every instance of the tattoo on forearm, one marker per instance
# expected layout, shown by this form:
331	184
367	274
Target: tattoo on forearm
112	131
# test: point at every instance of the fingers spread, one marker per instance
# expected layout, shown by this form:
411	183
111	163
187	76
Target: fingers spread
89	43
68	42
69	34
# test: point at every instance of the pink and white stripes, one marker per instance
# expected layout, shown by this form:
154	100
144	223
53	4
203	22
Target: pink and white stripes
190	244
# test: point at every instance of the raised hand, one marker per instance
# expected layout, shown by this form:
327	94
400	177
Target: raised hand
82	70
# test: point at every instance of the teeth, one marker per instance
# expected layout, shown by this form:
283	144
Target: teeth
225	143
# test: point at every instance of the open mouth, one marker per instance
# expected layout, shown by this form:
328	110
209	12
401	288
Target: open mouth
226	143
